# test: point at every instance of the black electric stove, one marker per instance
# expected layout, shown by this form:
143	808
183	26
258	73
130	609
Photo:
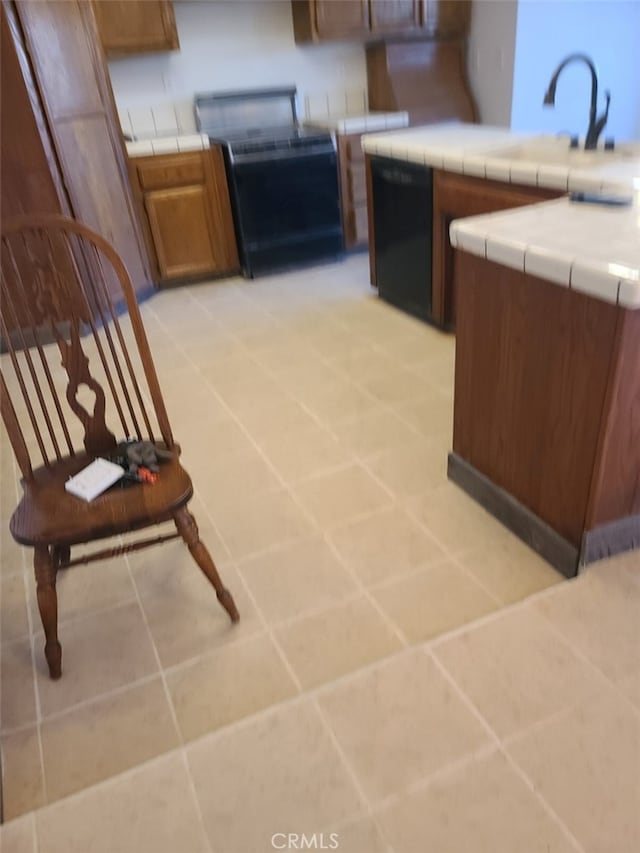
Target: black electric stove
283	178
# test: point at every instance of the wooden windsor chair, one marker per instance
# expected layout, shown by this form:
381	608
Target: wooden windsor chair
66	301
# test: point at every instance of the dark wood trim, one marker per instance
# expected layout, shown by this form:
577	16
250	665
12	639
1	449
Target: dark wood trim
607	540
370	222
427	78
527	526
615	486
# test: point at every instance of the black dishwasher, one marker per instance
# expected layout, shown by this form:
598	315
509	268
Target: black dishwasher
403	218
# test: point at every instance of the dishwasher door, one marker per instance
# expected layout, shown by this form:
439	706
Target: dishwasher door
403	219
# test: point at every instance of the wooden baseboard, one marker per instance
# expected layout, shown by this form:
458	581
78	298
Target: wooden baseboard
610	539
527	526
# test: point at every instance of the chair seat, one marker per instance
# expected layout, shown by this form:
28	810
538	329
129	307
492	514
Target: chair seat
49	515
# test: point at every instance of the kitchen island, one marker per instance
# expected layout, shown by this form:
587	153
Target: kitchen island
547	384
473	169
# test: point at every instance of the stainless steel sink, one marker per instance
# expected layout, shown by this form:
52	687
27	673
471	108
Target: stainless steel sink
556	151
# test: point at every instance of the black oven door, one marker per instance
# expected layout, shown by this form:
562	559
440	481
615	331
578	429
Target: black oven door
287	209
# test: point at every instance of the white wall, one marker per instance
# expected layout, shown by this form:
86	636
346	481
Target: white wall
606	30
233	45
492	40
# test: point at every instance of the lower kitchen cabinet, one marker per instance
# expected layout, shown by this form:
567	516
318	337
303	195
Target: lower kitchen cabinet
456	196
353	190
187	214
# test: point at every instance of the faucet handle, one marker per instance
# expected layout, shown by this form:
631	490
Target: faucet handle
574	141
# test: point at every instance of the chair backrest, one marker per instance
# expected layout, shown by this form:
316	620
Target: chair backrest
66	301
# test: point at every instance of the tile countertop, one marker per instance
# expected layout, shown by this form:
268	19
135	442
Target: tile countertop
588	247
167	145
366	123
481	151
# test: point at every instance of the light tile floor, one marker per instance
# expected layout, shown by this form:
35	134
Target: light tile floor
406	676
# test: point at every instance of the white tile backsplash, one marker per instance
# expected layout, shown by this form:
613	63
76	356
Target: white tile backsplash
356	100
125	122
165	120
172	118
316	106
185	116
142	122
338	103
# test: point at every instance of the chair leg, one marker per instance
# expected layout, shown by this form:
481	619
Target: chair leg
188	529
45	571
61	554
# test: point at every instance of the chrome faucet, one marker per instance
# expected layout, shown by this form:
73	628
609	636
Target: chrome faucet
596	125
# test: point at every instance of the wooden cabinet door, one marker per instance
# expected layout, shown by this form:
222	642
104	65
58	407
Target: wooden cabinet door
31	182
394	14
446	18
136	26
188	210
340	18
78	106
181	227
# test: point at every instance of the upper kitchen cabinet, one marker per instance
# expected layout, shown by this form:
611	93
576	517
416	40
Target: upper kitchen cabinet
446	18
62	150
330	20
394	15
136	26
372	20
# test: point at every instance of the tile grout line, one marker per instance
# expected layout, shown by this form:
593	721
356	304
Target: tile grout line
428	644
36	690
366	593
73	620
583	656
436	776
369	808
474	710
92	700
172	710
285	486
156	655
271	634
194	796
481	621
346	764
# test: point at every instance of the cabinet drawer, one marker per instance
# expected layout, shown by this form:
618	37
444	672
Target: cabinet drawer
173	171
357	183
